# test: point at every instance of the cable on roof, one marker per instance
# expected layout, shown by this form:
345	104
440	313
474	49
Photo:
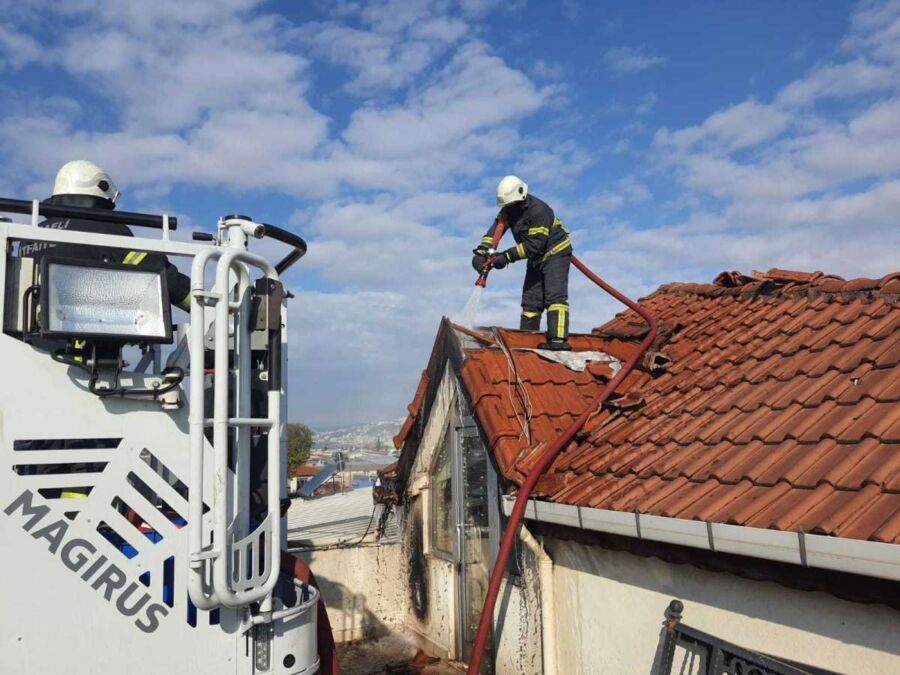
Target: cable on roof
512	371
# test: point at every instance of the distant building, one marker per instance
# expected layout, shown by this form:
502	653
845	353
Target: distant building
301	475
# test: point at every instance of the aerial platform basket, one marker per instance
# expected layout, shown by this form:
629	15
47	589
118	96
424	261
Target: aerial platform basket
138	532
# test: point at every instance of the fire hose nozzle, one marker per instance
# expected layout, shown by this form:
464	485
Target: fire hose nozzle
486	268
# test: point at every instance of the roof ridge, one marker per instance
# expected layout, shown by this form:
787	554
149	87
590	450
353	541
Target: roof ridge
787	283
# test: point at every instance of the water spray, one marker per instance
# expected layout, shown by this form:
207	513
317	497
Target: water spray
467	316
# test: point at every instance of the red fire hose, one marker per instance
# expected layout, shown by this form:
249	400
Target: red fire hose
550	454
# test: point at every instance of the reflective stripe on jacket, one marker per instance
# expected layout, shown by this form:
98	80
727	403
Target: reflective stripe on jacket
538	233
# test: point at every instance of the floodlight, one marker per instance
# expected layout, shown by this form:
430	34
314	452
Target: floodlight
89	299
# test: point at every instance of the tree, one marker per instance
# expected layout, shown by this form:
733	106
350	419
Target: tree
299	441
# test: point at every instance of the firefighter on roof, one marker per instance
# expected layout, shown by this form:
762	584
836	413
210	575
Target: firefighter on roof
543	241
84	184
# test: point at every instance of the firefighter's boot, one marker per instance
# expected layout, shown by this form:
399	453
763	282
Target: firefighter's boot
530	321
557	328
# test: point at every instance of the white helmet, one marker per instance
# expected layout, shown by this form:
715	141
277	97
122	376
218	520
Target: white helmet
510	190
85	178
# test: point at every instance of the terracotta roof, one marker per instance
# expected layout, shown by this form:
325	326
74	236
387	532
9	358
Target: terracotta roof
780	407
389	471
413	409
306	470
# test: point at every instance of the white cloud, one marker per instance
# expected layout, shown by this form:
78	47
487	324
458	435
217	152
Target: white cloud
399	265
480	8
183	99
625	60
784	183
634	190
474	91
876	30
398	15
384	242
740	126
181	108
441	29
874	211
396	44
167	65
399	190
17	49
839	80
551	169
544	70
191	125
827	156
621	146
873	44
648	102
377	60
604	202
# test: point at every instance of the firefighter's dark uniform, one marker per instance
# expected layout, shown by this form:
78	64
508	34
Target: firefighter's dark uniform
544	242
179	284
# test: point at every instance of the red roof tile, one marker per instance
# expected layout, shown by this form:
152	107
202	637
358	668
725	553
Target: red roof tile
389	471
780	409
413	409
306	471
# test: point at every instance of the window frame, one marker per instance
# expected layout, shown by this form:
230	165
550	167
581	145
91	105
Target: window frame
447	441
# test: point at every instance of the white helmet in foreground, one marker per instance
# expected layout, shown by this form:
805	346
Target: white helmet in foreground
510	190
85	178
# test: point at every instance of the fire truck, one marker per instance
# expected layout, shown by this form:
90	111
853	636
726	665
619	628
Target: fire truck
143	480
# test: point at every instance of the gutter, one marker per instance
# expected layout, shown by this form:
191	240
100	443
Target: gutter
548	604
855	556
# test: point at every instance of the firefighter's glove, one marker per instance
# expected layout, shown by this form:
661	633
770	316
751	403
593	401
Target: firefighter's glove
500	261
478	261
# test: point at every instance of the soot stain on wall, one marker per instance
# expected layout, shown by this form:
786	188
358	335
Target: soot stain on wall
418	570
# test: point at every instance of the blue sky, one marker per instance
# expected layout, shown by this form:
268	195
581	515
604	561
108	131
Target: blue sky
675	139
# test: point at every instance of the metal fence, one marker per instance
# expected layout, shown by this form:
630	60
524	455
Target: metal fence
691	651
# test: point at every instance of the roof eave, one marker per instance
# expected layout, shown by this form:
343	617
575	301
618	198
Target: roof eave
868	558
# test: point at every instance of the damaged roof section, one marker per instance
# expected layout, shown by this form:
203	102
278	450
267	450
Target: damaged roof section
522	397
770	400
523	401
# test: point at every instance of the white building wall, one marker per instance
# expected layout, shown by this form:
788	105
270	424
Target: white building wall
429	582
610	605
517	623
437	626
429	577
433	620
361	588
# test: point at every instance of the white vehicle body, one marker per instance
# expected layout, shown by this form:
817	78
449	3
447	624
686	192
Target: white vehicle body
90	591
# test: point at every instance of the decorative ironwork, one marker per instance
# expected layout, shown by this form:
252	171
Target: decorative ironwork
718	656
